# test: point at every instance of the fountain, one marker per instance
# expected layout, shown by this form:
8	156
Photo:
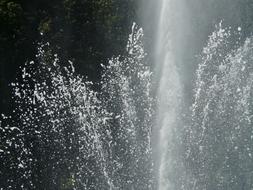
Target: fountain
65	135
74	137
169	97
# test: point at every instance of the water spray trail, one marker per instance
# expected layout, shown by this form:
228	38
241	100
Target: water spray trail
169	93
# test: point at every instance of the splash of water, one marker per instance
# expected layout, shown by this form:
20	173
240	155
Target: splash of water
212	149
82	139
127	85
74	137
221	133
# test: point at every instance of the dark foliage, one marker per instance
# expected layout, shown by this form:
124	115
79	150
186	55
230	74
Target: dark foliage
86	31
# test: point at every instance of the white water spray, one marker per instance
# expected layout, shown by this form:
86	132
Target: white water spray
169	95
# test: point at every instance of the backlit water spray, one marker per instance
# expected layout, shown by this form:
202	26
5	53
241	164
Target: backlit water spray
169	96
208	146
77	138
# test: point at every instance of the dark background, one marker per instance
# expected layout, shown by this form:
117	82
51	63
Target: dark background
87	32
